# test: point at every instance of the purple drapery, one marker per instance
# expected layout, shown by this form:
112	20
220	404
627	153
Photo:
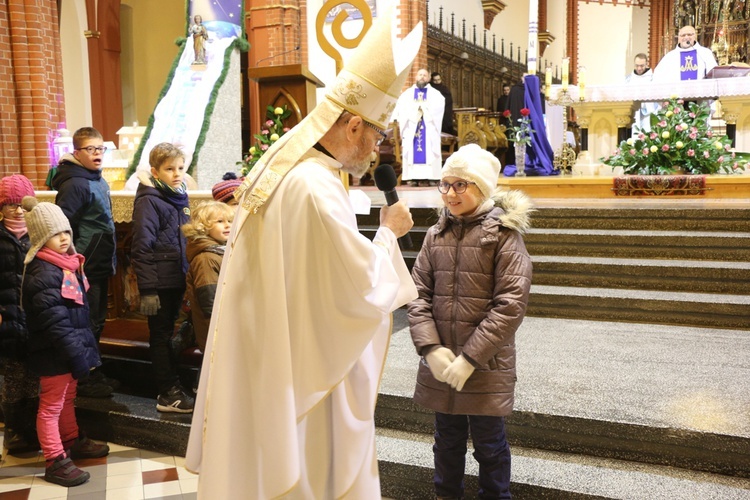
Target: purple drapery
539	154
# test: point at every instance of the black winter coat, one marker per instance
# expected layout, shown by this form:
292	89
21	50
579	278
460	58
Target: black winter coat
13	333
158	250
60	337
83	196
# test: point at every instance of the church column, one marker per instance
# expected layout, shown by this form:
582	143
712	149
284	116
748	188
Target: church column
571	43
31	87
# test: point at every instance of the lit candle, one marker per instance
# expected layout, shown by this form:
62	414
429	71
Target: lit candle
547	81
565	69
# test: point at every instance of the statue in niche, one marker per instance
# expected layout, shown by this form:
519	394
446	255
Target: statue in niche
686	14
200	35
714	7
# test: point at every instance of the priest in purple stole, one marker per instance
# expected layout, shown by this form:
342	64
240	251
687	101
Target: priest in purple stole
688	61
419	112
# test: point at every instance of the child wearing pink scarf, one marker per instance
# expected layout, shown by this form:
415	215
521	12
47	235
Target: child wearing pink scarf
20	393
61	347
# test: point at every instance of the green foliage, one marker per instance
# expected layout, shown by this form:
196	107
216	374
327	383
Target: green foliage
680	138
271	131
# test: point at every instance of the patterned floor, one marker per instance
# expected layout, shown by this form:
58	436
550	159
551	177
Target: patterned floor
126	474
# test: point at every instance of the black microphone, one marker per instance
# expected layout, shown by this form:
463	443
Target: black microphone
385	180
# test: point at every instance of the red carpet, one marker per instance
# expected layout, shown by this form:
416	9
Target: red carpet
659	185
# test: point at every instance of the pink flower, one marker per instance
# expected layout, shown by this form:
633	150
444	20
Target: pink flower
678	127
286	129
264	132
680	101
269	123
665	147
691	152
645	151
720	159
662	123
653	135
263	147
641	136
726	147
525	112
709	133
677	109
691	114
706	154
693	135
694	129
632	151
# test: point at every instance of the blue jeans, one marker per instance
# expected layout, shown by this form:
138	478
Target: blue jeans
491	451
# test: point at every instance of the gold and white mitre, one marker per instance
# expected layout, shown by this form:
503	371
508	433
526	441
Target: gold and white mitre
371	82
368	86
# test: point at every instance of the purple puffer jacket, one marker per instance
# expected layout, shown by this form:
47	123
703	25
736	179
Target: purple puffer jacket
473	275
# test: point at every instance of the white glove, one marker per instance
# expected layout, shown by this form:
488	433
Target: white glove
458	373
438	360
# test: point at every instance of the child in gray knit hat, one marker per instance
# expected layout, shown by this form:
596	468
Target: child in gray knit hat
61	346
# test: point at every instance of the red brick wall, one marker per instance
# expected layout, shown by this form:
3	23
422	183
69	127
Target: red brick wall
31	87
410	13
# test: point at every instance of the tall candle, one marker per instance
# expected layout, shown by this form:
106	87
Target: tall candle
565	69
533	50
548	76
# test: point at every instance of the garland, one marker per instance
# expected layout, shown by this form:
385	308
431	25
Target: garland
240	43
212	101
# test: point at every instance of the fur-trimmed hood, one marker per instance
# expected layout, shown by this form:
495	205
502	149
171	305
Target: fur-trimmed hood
515	209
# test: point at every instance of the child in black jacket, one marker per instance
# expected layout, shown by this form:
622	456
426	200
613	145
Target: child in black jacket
61	346
160	263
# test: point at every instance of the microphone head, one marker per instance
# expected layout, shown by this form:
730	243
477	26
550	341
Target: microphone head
385	177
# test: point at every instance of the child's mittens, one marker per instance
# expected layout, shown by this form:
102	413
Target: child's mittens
438	360
150	305
458	373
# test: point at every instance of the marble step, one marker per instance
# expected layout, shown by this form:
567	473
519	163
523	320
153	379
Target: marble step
689	245
406	461
694	218
641	306
644	274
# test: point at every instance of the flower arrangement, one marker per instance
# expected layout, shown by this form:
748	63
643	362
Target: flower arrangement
681	138
272	130
521	134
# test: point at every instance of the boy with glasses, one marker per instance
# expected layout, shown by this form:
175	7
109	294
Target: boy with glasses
83	196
